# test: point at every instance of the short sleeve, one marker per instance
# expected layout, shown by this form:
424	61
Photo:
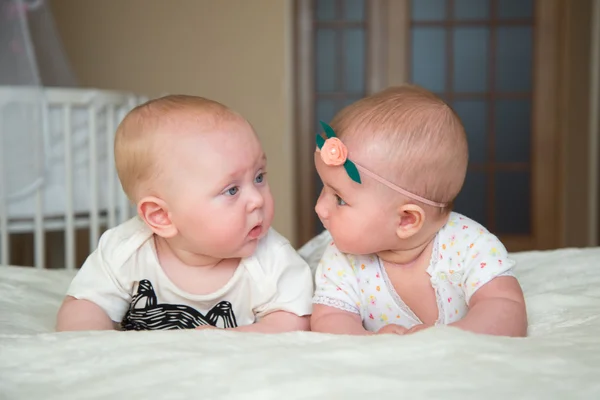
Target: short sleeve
336	282
98	283
488	259
291	283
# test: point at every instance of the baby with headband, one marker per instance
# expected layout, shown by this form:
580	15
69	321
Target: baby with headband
401	260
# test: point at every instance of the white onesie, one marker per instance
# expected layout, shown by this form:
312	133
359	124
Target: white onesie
465	257
124	278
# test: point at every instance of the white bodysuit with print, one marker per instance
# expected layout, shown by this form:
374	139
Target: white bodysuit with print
123	276
465	257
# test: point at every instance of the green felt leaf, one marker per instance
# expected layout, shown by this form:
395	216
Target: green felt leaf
328	130
320	140
352	171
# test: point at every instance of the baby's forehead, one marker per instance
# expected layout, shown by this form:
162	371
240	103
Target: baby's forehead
382	135
222	143
198	124
199	119
372	149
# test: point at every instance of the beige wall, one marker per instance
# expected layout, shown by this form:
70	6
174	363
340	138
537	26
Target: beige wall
234	51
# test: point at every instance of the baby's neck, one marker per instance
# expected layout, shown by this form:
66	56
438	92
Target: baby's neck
167	252
416	251
193	273
409	256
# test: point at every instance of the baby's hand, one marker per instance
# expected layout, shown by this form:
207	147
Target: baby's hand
392	329
204	327
400	330
417	328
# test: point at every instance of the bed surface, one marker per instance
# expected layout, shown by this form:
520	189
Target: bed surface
560	359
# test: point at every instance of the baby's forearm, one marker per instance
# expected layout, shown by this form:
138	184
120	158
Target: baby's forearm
339	323
82	315
497	316
283	322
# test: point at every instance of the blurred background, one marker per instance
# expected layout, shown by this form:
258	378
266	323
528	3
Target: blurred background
522	74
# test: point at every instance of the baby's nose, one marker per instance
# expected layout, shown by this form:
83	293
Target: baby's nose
321	210
256	200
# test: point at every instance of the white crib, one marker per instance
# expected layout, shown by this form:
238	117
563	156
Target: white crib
77	185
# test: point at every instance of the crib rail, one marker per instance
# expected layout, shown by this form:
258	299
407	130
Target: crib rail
105	109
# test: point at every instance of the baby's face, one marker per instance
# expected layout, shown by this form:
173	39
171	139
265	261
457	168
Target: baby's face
359	218
218	195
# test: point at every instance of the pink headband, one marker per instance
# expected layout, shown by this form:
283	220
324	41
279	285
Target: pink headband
334	153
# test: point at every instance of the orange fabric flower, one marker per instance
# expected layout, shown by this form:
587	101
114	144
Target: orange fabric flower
334	152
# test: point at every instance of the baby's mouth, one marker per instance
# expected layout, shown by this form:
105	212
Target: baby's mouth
256	231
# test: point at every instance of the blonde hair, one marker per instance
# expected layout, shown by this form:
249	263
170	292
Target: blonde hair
137	140
415	133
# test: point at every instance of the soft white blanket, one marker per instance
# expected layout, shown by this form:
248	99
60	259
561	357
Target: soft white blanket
560	359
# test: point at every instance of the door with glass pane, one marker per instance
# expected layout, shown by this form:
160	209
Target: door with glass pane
479	56
494	61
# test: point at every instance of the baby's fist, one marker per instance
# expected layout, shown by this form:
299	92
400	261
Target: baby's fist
392	329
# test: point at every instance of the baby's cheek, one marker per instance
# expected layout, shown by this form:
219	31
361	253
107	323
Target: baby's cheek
346	246
270	211
342	238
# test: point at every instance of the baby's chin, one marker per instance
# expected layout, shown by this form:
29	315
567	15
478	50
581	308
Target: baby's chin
352	248
247	249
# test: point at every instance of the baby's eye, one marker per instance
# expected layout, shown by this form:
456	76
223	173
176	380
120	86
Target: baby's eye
260	178
232	191
340	201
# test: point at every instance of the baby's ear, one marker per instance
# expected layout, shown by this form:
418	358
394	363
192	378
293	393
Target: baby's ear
412	219
154	212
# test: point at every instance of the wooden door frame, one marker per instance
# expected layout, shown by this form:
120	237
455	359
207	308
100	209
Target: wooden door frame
304	115
547	183
578	116
388	48
595	119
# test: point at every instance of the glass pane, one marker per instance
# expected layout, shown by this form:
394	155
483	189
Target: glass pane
447	97
471	59
428	10
354	62
508	9
326	57
325	10
471	9
471	200
512	124
354	10
513	58
473	114
513	204
326	110
428	61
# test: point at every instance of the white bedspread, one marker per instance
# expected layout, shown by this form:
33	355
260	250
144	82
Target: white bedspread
560	359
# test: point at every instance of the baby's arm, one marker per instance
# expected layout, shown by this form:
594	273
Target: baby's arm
277	322
336	304
95	297
333	320
497	308
82	315
494	296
